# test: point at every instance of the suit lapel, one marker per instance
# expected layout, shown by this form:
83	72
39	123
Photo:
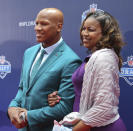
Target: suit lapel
48	63
32	55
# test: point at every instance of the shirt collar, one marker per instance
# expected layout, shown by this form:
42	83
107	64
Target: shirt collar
51	48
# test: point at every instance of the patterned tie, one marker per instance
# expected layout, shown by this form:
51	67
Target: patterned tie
37	65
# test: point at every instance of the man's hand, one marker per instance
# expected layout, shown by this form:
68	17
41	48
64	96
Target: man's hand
14	115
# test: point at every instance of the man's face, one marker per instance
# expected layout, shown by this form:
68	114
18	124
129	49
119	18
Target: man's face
46	28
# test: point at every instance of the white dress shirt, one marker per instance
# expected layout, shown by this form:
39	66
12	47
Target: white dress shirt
48	51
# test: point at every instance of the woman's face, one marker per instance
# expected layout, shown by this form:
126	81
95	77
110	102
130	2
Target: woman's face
91	33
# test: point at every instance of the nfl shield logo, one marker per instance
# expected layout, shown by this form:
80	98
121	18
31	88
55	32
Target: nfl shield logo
5	67
130	61
93	7
127	70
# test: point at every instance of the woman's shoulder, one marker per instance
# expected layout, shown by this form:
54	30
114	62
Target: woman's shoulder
103	59
104	55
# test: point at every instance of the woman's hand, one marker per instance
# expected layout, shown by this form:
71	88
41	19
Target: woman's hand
71	119
53	98
80	126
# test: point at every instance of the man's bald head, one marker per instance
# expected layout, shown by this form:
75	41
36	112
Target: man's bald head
54	13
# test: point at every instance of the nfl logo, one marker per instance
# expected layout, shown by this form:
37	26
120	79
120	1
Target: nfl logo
5	67
130	61
2	59
93	7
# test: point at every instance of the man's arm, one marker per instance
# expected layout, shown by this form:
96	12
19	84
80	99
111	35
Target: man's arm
17	100
65	106
14	107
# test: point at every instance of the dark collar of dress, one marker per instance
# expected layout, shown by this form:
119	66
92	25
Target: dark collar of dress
87	58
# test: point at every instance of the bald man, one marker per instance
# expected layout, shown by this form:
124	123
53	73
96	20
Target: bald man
47	67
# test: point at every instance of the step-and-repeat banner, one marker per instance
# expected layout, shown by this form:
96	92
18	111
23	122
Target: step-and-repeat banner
17	34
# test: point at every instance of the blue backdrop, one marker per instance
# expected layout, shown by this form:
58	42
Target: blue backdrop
17	34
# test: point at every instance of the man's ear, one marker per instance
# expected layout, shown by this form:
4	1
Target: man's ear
59	27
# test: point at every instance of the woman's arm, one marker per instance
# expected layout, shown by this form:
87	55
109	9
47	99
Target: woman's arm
53	98
80	126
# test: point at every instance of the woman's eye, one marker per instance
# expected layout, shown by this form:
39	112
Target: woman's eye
83	28
91	29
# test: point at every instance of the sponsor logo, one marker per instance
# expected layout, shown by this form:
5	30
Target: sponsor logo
26	23
5	67
127	70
